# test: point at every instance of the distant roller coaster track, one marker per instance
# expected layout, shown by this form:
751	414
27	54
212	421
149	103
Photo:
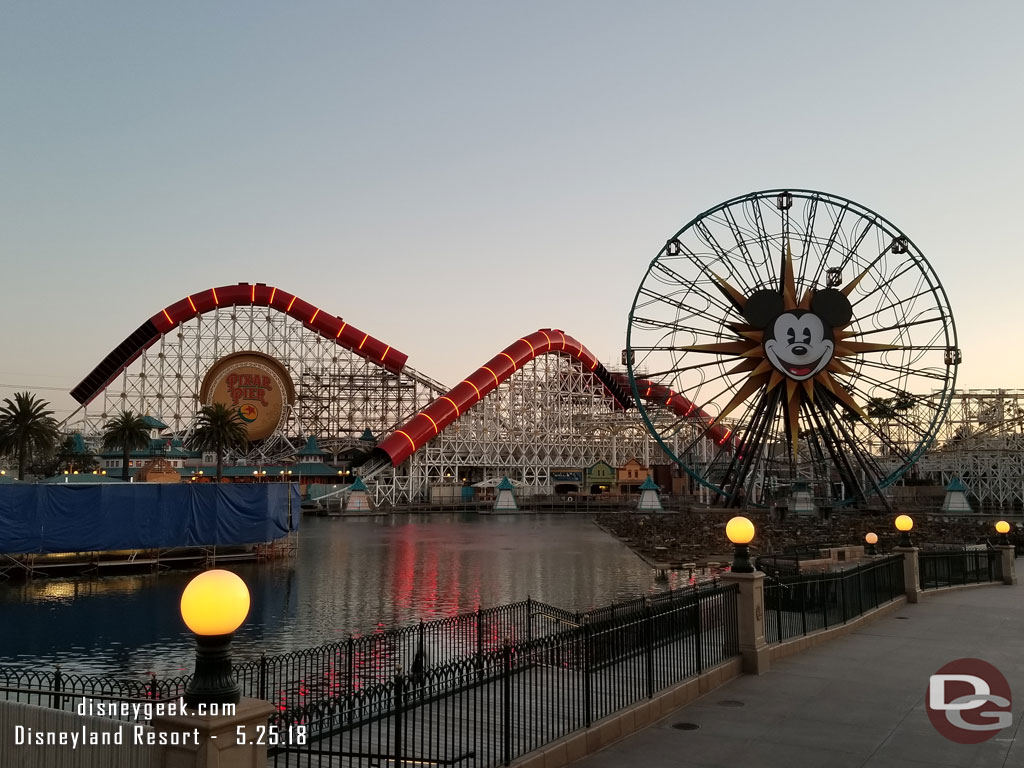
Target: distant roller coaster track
428	422
258	294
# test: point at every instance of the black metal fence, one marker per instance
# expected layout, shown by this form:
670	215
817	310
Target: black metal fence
304	677
949	568
486	710
799	604
57	689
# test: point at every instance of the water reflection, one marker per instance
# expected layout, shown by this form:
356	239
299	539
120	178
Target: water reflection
349	576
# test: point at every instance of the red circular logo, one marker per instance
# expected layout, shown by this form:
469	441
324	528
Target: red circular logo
968	701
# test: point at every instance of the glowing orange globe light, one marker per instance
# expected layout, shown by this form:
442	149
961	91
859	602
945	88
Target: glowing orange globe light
215	603
739	530
1002	527
871	538
904	523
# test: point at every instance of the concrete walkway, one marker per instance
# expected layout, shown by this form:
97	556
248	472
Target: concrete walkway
858	700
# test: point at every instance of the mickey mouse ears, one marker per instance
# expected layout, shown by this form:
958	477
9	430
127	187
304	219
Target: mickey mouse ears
830	305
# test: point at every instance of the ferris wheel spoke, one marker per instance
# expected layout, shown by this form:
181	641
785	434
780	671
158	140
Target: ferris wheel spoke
808	238
837	453
892	307
741	243
922	372
837	227
712	299
685	369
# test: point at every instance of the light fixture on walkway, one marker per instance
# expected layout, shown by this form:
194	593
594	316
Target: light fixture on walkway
1003	528
214	605
740	532
903	524
871	539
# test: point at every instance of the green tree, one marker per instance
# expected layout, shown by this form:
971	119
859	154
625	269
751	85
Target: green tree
72	455
127	432
218	428
27	429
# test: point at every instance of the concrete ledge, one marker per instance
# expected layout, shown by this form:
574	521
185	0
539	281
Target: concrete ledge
797	644
615	727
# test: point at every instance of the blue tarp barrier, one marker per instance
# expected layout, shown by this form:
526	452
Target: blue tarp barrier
89	518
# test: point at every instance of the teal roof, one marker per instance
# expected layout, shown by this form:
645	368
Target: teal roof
368	437
649	485
956	485
154	423
159	447
314	469
359	485
312	449
505	485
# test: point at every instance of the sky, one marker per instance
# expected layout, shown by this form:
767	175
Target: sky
452	175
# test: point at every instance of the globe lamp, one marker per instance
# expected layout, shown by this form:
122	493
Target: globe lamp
214	605
871	539
903	524
740	532
1003	528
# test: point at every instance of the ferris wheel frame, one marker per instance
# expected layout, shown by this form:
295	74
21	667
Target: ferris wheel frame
787	232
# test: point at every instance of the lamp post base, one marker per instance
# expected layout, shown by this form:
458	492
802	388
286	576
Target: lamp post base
741	560
213	681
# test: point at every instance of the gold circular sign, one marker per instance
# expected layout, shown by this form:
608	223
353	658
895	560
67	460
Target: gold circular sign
254	384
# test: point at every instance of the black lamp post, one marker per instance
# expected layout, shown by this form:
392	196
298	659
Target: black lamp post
871	539
740	532
1003	529
214	605
903	524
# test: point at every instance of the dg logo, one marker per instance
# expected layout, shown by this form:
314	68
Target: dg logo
969	701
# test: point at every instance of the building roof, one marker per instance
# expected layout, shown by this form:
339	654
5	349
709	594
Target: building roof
159	447
649	485
956	485
359	485
154	423
506	485
312	449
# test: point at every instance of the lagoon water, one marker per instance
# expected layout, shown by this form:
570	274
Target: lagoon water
348	576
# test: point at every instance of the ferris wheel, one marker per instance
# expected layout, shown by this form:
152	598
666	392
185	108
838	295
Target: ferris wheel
792	336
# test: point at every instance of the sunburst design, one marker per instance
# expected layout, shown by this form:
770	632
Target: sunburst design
764	376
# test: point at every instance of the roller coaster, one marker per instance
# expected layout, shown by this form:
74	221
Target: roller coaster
542	405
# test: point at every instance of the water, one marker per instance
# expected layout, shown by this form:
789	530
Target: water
348	576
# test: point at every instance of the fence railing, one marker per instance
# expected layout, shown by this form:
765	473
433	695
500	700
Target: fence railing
57	689
800	604
949	568
487	710
303	677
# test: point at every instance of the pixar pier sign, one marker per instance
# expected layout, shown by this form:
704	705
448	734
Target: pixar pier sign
256	385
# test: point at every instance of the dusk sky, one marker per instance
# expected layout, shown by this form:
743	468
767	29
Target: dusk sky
452	175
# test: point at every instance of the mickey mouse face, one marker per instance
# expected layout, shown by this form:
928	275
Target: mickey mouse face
798	342
801	345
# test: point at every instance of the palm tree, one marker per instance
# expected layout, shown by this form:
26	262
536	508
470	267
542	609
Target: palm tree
218	428
27	428
127	432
